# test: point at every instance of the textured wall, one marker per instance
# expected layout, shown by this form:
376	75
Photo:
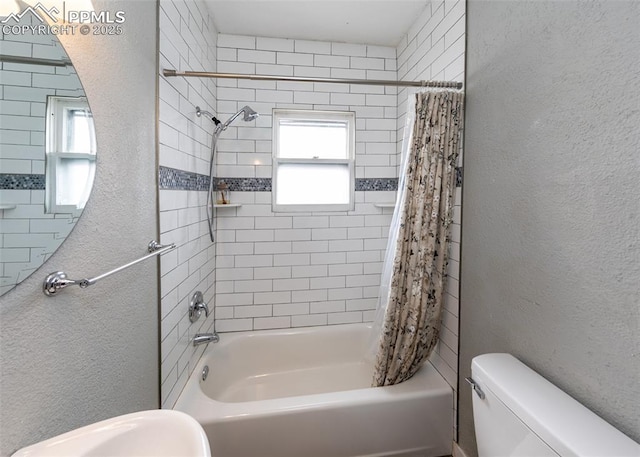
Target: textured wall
87	355
550	254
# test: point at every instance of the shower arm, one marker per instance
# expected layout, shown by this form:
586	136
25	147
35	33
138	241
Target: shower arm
200	112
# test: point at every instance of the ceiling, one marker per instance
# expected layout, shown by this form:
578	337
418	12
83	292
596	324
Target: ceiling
378	22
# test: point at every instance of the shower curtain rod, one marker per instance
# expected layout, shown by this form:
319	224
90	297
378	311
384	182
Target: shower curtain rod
369	82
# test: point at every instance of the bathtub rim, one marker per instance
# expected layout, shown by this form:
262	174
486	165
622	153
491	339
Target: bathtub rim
193	400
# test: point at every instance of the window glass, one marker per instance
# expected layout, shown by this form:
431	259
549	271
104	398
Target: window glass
313	139
73	181
313	160
299	184
77	135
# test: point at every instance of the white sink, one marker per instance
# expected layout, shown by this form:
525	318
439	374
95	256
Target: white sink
155	433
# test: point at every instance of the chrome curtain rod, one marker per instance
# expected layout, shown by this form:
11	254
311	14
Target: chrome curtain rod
369	82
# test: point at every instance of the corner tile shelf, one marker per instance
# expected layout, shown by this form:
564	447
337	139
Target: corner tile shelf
228	205
4	206
384	205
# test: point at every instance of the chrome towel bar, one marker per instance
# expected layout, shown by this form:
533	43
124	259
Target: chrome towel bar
58	280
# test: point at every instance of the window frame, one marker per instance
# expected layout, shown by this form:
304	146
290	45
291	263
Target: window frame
54	132
314	115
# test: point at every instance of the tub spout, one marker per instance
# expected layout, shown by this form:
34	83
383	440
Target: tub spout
205	338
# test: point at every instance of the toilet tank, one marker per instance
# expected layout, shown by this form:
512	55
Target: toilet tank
523	414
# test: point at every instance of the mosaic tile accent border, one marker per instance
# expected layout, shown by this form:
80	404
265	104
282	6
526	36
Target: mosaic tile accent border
376	184
247	184
15	181
173	179
458	176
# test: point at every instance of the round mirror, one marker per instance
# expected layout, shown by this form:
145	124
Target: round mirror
47	150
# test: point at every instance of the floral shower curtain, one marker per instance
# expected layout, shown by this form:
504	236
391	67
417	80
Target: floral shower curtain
411	322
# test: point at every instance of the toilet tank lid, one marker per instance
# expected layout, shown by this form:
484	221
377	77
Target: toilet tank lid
565	425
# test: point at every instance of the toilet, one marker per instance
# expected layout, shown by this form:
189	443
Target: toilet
519	413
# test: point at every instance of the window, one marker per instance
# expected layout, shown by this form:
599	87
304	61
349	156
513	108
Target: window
70	154
313	160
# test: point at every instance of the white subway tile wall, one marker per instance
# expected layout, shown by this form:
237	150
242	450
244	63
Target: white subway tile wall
187	42
279	270
28	235
434	49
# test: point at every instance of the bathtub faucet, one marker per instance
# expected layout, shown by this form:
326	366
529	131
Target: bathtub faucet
205	338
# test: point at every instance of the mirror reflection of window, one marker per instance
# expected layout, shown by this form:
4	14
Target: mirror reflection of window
78	125
70	154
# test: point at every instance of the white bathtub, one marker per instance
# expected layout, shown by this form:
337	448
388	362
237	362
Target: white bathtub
305	393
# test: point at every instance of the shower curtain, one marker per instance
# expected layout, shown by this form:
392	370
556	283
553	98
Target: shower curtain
414	271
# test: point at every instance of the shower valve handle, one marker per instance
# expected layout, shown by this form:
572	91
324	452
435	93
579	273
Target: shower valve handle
196	306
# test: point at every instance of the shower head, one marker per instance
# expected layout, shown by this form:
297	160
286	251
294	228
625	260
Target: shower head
248	115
